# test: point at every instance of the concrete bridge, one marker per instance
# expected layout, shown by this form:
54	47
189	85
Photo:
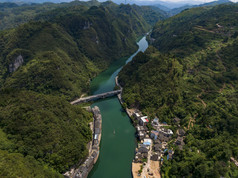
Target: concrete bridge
96	97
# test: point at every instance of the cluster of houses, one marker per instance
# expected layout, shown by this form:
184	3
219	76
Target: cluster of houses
180	139
155	140
85	168
180	134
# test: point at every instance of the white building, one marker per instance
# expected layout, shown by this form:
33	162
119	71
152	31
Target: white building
143	120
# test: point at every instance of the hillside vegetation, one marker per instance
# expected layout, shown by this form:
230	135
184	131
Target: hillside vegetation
195	29
12	14
61	54
45	63
43	127
191	72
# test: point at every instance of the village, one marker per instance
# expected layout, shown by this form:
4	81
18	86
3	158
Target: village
153	146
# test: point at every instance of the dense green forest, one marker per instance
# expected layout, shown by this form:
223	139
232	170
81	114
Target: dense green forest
48	55
69	46
12	14
43	127
191	72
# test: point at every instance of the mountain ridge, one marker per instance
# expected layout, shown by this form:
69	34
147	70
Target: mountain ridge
190	73
46	61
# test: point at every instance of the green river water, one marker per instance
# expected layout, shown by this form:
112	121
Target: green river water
118	134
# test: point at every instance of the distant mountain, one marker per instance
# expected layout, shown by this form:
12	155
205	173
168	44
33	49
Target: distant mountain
172	5
176	7
35	1
164	5
164	8
214	3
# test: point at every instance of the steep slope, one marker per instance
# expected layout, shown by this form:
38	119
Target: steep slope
16	165
61	55
44	64
52	62
45	128
175	11
195	29
192	73
151	14
12	14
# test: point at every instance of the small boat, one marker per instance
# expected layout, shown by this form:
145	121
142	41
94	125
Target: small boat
114	132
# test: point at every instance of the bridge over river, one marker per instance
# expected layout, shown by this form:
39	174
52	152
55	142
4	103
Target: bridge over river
96	97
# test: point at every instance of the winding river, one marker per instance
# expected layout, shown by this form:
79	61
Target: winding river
118	134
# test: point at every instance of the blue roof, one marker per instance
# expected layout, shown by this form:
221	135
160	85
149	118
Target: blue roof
167	157
165	150
146	143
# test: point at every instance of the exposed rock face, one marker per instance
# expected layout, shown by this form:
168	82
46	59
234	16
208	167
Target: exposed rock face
16	64
87	25
97	40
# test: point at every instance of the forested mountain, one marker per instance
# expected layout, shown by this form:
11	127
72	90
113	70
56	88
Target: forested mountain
195	29
47	62
12	14
213	3
75	41
191	72
40	134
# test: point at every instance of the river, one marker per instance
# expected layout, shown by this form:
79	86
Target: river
118	134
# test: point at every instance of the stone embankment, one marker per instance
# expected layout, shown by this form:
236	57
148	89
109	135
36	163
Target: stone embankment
128	111
87	165
152	167
119	94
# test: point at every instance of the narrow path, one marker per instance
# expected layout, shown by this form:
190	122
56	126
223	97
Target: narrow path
198	96
203	29
190	123
217	55
233	160
147	166
223	87
192	120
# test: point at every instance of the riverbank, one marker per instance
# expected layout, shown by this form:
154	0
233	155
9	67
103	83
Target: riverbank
153	139
93	147
118	137
129	112
150	168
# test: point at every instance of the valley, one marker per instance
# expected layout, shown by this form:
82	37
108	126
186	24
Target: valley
45	64
176	113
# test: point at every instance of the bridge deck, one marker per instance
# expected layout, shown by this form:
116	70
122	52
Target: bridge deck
95	97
